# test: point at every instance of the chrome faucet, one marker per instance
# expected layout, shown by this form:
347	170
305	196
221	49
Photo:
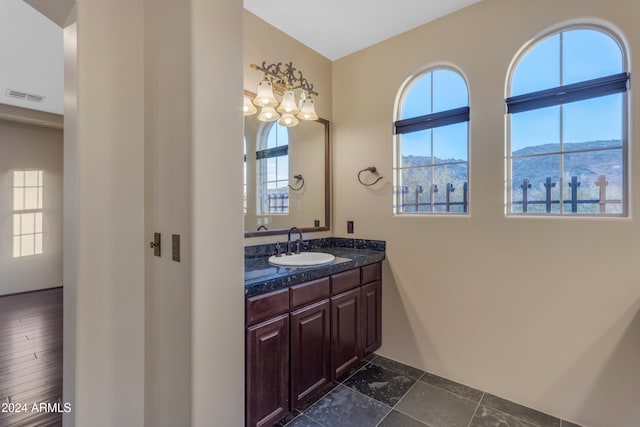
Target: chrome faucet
289	240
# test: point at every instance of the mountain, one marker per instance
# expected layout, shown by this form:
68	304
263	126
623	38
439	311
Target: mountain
570	146
587	166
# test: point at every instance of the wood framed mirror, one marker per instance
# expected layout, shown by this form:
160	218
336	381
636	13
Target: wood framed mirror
286	176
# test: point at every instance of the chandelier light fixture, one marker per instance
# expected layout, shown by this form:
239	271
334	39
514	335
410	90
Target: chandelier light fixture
283	80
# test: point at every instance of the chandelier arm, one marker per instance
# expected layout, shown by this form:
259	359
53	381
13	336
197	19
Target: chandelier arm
286	78
289	72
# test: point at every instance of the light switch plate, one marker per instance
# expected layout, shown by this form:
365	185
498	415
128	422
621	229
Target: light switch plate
175	247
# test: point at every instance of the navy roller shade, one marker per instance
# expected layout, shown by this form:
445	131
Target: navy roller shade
616	83
272	152
430	121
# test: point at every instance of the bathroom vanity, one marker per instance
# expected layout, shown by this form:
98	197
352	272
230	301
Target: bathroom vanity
307	327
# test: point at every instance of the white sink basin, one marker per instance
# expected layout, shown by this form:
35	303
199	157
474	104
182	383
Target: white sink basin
303	259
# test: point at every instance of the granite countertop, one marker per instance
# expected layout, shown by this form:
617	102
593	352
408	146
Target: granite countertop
261	277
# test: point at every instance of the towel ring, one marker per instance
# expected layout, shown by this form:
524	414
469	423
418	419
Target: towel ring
373	171
298	179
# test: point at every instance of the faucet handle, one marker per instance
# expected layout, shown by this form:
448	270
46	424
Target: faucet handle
299	243
278	249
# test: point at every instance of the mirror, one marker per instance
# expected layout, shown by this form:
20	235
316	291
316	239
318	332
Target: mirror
286	176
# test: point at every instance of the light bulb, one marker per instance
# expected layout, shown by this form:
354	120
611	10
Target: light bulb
288	104
248	108
265	97
308	111
288	120
268	114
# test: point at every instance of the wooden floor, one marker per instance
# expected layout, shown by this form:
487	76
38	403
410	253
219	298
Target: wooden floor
30	358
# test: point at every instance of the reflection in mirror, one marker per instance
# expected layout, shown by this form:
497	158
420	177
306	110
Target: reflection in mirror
286	176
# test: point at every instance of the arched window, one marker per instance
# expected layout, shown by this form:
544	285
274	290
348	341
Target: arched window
431	167
567	114
273	161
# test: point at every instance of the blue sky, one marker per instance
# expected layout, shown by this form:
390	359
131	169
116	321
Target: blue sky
575	56
449	92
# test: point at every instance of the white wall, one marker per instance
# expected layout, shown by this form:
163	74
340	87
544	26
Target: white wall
540	311
31	147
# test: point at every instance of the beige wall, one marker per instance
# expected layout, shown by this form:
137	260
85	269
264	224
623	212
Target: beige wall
307	158
109	186
25	146
71	214
217	262
540	311
167	211
263	42
153	343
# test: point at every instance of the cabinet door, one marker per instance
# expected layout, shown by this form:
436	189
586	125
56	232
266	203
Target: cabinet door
267	371
345	332
310	351
371	317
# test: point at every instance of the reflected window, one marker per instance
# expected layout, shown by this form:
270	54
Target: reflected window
567	141
28	189
244	145
273	164
431	165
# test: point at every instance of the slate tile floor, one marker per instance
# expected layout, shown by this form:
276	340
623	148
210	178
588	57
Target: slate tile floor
385	393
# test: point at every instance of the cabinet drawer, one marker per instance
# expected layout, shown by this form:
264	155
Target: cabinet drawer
344	281
262	307
371	272
309	292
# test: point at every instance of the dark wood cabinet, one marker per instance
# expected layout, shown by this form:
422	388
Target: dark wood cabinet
310	351
267	371
344	281
309	292
371	317
300	338
346	348
266	306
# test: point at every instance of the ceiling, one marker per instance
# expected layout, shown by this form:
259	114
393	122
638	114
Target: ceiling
31	45
336	28
31	48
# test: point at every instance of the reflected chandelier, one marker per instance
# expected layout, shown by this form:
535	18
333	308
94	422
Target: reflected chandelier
282	79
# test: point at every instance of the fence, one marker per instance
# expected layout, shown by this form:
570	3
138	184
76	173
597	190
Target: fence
278	202
432	204
415	205
602	201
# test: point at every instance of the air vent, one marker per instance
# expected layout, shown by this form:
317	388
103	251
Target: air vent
16	94
35	98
